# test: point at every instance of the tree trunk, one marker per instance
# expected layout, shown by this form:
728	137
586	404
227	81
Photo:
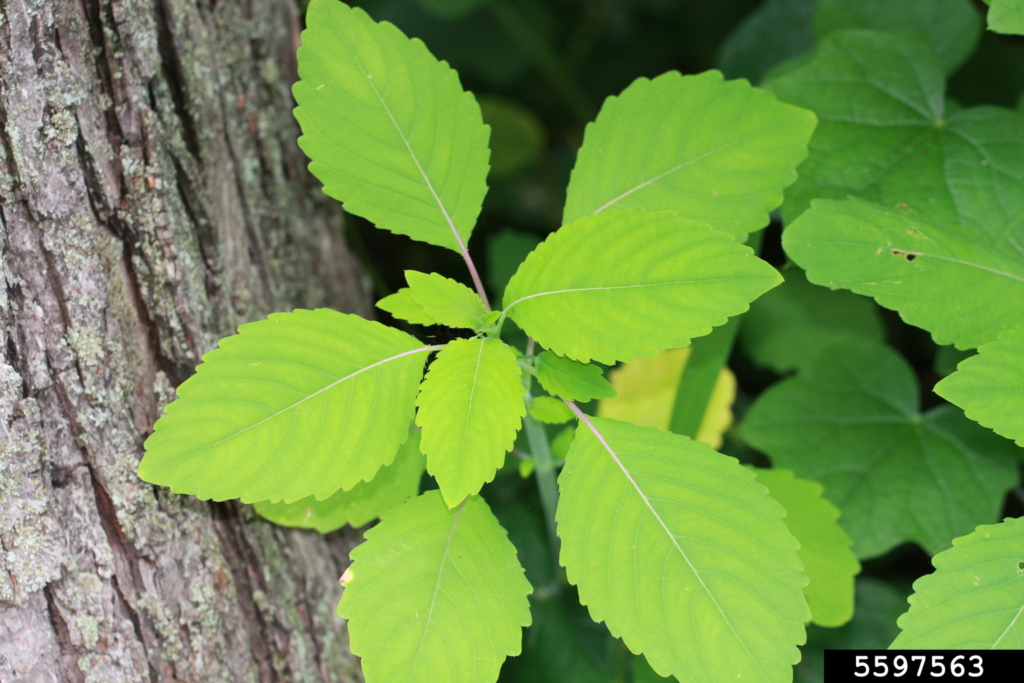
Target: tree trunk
152	198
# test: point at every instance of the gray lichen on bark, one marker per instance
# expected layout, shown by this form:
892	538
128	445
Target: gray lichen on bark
152	198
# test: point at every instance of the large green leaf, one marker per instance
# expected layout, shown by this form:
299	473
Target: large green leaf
778	30
682	553
710	150
853	422
367	500
471	405
789	326
951	27
435	595
570	379
990	386
622	284
975	598
946	280
389	129
303	403
1006	16
829	563
885	135
448	302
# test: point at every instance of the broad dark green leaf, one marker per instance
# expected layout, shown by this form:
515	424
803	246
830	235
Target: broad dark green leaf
448	302
572	380
790	325
368	500
403	306
778	30
990	386
853	423
622	284
389	129
946	280
471	405
427	578
710	150
682	553
505	251
303	403
975	598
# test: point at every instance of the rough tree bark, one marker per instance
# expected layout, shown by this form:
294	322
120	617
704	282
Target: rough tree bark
152	198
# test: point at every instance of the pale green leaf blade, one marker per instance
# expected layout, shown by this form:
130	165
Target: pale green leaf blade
471	405
622	284
715	151
943	280
403	306
572	380
951	27
990	385
1006	16
448	302
550	410
681	553
975	598
389	129
789	326
435	595
853	423
829	563
367	500
303	403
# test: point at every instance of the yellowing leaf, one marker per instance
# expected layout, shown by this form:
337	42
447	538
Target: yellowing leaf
647	393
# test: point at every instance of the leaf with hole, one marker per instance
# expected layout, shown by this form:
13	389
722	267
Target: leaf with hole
428	577
715	151
974	600
389	129
681	553
300	404
853	422
622	284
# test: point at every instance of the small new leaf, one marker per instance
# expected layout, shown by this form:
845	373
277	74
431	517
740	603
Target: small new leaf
471	405
448	302
303	403
428	578
403	306
572	380
550	410
622	284
974	600
367	501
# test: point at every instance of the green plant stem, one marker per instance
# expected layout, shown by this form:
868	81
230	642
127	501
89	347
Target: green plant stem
708	355
544	471
553	69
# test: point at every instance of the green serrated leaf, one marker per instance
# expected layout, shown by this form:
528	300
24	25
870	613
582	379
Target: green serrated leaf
946	280
951	27
389	129
886	135
682	553
1006	16
778	30
975	598
571	380
550	410
428	577
789	326
471	405
710	150
990	386
829	563
403	306
622	284
367	501
303	403
853	423
448	302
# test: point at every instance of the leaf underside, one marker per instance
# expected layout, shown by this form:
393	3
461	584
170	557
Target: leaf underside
975	598
681	553
300	404
622	284
435	595
389	129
